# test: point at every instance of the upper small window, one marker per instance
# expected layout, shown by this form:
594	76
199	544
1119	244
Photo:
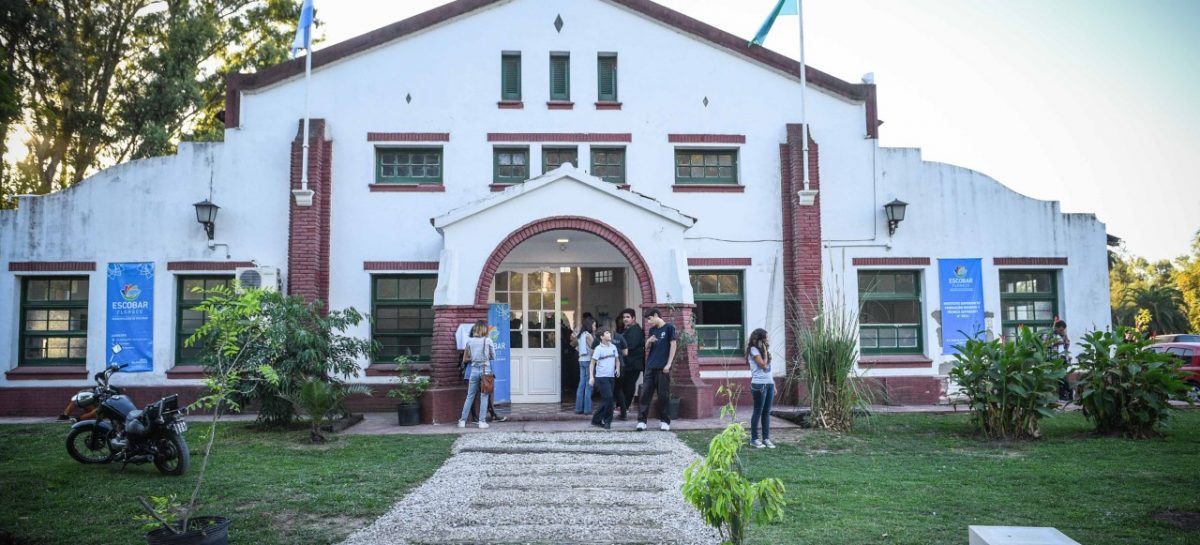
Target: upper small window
560	76
510	76
511	165
706	166
553	158
608	164
408	165
606	78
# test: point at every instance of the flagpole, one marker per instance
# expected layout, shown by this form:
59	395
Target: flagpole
803	91
304	195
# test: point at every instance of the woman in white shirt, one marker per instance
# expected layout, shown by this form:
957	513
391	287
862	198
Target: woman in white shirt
762	387
583	393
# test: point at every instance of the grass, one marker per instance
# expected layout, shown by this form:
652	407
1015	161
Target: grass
922	479
277	487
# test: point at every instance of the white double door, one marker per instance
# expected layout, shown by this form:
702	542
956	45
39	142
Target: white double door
534	299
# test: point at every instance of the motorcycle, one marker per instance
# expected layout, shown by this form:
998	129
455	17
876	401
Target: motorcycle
122	433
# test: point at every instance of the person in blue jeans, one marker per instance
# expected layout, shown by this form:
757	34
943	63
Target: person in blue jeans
478	354
762	387
583	393
605	368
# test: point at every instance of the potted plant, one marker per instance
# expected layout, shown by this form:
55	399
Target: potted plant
409	388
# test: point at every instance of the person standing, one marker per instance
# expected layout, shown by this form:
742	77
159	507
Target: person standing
1060	348
479	352
583	393
634	361
660	353
762	387
604	369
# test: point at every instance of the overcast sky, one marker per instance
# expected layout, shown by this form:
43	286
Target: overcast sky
1092	103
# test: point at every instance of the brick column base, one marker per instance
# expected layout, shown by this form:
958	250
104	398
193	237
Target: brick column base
443	401
696	396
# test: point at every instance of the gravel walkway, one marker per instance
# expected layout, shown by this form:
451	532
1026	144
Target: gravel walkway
560	488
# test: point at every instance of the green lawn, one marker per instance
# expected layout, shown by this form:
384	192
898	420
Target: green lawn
922	479
277	488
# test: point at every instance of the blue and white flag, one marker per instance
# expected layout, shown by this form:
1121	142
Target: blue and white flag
782	7
304	29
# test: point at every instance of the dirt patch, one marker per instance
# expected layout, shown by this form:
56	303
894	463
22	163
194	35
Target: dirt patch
1184	520
335	526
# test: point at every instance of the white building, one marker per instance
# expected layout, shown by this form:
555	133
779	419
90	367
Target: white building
423	134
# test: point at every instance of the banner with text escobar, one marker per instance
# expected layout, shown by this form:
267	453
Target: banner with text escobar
498	330
961	282
129	317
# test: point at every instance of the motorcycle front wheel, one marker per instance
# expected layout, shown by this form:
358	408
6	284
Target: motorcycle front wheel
89	445
173	457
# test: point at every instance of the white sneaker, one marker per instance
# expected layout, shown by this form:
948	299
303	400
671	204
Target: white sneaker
641	426
483	425
757	444
664	426
768	443
462	423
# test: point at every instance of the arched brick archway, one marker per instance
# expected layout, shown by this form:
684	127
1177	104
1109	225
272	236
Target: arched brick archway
567	223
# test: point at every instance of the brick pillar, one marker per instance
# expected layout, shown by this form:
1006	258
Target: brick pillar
696	396
443	401
308	226
801	236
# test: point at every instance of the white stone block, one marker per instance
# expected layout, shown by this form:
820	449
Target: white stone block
1017	535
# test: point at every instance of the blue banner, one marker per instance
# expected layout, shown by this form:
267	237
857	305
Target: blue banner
129	317
961	282
498	330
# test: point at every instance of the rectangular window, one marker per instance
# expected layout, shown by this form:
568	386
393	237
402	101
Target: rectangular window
706	166
719	322
608	164
1028	298
408	165
510	76
510	165
890	319
553	158
402	307
560	76
54	318
602	276
188	320
606	66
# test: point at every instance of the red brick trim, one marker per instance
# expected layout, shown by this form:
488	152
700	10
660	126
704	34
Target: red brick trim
722	363
180	372
308	227
572	223
623	187
233	101
408	137
559	137
706	138
718	262
801	233
699	188
873	121
48	372
52	266
389	369
496	188
207	265
560	105
899	361
1029	261
400	265
407	188
888	261
510	105
608	105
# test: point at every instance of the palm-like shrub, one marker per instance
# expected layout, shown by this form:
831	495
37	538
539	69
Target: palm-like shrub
1125	388
321	400
828	348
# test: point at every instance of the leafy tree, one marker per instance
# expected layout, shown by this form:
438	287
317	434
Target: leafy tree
1187	279
1165	304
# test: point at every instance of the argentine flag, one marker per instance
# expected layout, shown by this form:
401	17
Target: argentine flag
304	29
782	7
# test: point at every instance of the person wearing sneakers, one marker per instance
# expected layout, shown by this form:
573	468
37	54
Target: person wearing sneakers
762	387
479	352
602	375
583	393
661	343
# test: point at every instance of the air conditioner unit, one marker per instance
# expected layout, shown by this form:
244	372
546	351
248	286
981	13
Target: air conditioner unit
266	278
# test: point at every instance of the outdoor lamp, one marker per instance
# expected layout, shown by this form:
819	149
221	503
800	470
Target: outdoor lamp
895	214
562	244
206	215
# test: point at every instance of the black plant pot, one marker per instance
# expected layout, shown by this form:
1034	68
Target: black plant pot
208	531
408	414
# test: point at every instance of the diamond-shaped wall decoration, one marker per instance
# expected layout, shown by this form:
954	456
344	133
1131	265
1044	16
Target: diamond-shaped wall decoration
558	23
705	101
408	98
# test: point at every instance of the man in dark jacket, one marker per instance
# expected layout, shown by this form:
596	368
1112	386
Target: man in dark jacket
634	361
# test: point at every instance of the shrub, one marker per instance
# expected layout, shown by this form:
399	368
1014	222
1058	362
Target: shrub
1124	387
828	348
321	400
1010	385
409	385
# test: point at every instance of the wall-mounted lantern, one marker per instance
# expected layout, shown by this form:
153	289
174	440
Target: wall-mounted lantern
895	214
206	215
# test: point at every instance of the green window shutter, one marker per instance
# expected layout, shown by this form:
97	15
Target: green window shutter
402	307
187	320
553	158
706	166
560	76
606	65
890	312
54	320
608	164
408	165
1029	299
510	76
719	315
510	165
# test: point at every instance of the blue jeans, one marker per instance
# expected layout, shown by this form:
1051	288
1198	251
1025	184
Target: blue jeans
604	413
473	388
583	394
764	395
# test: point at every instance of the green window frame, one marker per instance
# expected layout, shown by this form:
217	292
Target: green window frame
402	316
720	311
706	166
890	312
554	157
54	320
510	76
1028	298
408	165
608	164
560	76
606	77
510	165
188	320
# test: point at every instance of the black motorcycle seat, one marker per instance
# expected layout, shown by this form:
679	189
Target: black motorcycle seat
134	414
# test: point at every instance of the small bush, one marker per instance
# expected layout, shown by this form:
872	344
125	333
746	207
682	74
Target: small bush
828	348
1125	388
1010	385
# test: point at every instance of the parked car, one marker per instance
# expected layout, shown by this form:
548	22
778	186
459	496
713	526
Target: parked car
1189	352
1177	338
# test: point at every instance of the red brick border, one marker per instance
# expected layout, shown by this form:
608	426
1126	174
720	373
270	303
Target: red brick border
308	227
400	265
559	137
888	261
52	266
207	265
408	137
801	233
510	105
407	188
571	223
718	262
706	138
560	105
695	188
608	105
47	372
1029	261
